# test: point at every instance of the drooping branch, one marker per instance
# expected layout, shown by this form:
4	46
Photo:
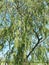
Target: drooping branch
18	7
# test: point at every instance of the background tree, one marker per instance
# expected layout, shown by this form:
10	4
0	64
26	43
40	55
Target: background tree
24	31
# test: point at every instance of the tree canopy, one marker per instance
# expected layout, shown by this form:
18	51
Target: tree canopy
24	32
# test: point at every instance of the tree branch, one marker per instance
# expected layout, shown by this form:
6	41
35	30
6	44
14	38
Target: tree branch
32	49
35	45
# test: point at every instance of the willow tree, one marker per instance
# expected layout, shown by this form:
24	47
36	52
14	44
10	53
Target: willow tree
24	27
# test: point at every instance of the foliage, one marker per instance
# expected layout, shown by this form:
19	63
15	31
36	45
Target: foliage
24	28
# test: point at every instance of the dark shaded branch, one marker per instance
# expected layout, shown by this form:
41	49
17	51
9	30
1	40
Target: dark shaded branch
32	49
35	45
39	41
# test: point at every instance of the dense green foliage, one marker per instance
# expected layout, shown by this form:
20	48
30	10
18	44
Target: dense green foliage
24	32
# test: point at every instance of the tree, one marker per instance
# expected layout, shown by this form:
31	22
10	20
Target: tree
24	28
